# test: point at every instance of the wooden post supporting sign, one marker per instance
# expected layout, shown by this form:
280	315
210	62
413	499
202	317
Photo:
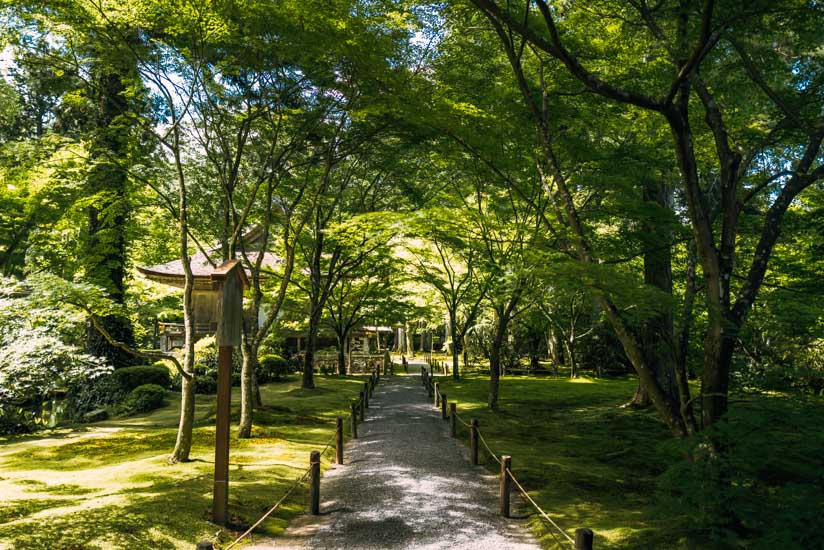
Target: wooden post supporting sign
230	279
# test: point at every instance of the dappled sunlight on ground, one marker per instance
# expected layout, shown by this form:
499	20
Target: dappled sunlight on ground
405	484
108	485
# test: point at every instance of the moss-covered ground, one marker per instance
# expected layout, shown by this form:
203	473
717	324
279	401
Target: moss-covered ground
108	485
589	462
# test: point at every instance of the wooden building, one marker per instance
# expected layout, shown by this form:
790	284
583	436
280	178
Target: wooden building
204	294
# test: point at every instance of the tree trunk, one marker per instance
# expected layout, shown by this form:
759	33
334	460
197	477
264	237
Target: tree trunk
718	350
657	332
311	347
681	372
534	350
667	409
247	388
554	349
494	377
342	353
495	362
453	334
183	444
107	182
569	347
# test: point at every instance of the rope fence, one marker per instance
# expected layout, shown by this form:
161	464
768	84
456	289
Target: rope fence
357	414
271	510
583	539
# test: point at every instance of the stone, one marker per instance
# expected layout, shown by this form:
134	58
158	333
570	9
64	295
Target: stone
96	415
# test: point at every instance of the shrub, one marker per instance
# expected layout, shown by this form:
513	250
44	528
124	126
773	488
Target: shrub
206	366
15	420
271	367
147	397
754	493
90	395
205	379
130	378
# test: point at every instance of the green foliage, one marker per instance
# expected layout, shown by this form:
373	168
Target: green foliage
33	368
144	398
90	395
763	490
206	366
15	420
129	378
205	379
271	367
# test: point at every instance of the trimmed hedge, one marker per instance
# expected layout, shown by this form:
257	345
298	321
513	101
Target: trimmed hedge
145	398
129	378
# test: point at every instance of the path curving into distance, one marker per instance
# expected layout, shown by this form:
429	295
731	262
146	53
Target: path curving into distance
405	484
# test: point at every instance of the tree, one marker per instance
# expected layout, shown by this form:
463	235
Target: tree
446	261
715	78
365	292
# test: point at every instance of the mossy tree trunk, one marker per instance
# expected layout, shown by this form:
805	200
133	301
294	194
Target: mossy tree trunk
107	187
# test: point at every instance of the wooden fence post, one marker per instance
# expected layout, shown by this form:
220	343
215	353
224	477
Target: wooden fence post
314	482
453	420
362	407
443	406
583	539
366	394
339	439
437	394
506	464
354	423
429	387
473	441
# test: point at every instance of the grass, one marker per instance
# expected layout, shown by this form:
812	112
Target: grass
588	462
109	485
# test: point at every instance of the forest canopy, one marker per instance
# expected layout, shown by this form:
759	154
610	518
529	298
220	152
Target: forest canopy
611	189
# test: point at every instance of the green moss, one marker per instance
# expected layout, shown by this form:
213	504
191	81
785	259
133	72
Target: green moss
585	460
132	498
589	462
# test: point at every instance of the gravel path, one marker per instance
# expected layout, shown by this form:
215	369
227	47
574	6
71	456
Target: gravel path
405	484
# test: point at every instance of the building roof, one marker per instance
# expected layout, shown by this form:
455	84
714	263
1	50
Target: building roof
172	274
